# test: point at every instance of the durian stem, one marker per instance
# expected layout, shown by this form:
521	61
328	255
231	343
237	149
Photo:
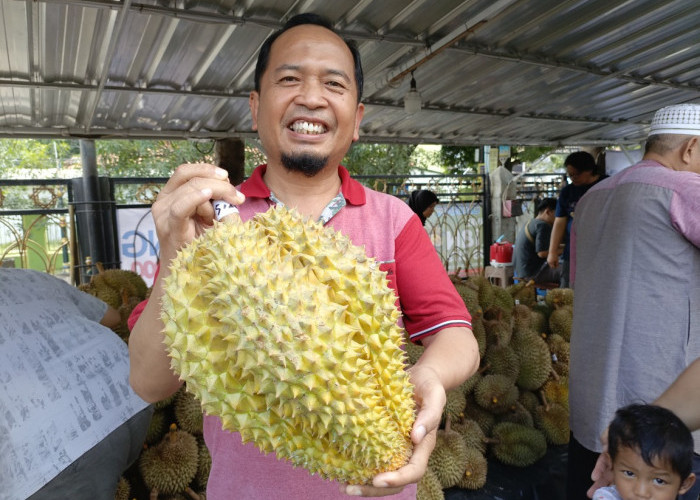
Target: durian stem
192	494
100	267
472	285
448	423
154	494
543	398
555	375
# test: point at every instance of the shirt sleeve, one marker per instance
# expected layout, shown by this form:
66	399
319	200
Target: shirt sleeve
542	239
135	314
429	301
136	311
685	210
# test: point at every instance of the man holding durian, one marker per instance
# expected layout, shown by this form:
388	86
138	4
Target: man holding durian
307	111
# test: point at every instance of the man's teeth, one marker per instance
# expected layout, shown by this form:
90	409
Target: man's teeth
308	128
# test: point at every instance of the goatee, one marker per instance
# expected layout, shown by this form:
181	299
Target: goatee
306	163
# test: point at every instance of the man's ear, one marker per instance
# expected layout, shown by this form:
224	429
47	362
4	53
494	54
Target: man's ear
687	151
253	102
687	484
359	113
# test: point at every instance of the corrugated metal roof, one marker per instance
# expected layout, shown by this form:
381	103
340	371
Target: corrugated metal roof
575	72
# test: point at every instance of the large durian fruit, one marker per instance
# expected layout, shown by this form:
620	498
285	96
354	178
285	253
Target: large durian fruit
288	332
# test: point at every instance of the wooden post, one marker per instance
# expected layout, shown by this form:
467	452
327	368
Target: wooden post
230	155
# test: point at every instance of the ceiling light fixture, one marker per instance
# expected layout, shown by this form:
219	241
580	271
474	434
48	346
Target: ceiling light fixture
412	101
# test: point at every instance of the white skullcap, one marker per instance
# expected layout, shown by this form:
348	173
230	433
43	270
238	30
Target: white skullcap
683	119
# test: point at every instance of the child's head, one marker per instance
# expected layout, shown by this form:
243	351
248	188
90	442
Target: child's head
652	453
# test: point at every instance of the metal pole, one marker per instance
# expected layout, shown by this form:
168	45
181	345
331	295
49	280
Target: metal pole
91	207
486	221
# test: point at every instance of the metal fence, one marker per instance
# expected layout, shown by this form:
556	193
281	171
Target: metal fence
36	224
39	219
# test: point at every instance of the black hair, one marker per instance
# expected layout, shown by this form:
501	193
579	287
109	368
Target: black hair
298	20
546	203
421	199
581	161
656	432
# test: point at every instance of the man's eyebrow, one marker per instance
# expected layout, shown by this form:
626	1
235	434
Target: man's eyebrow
329	71
285	67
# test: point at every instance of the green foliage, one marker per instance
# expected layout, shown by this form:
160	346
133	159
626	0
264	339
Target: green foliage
254	156
427	159
529	154
374	159
459	159
32	154
127	158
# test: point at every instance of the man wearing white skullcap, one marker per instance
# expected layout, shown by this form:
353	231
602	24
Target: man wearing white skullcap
636	245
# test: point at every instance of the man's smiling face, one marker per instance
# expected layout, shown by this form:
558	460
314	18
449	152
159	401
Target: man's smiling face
306	112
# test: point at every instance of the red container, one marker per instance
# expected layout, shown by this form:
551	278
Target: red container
501	253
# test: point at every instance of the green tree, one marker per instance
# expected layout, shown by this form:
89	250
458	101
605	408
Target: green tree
132	158
459	159
159	158
376	159
32	155
529	154
254	155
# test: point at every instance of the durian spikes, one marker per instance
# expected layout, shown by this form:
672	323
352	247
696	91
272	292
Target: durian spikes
123	489
429	487
288	332
474	476
170	466
517	445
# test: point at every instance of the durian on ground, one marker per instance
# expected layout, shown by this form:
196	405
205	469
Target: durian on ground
288	332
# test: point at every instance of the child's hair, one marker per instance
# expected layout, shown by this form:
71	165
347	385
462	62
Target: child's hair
546	203
656	432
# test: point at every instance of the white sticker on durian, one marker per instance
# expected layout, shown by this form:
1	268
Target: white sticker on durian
223	208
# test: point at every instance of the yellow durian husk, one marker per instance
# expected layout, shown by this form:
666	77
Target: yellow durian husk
288	332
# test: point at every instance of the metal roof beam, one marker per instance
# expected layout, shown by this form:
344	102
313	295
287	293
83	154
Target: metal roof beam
591	69
219	18
466	29
218	94
116	33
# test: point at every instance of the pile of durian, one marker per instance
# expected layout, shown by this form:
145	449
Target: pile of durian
120	288
517	402
175	462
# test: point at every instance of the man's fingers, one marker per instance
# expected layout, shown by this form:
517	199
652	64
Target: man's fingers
368	491
390	483
194	198
184	173
602	474
430	410
414	470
